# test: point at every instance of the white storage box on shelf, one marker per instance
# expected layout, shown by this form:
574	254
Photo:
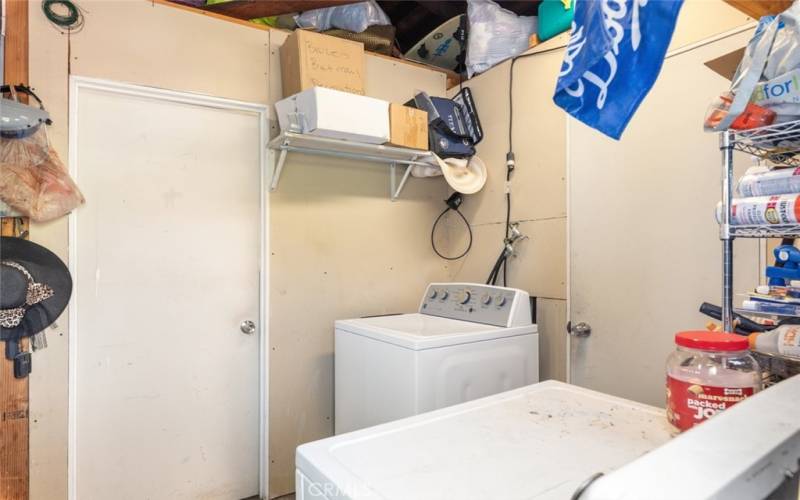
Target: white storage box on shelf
339	115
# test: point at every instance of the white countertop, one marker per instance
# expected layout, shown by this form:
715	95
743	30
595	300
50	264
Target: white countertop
539	441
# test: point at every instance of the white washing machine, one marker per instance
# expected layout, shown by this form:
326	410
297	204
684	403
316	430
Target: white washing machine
467	341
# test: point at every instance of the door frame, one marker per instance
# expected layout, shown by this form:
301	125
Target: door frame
76	85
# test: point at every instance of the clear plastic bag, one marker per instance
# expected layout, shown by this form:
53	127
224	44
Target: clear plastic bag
766	72
30	150
495	34
352	17
34	181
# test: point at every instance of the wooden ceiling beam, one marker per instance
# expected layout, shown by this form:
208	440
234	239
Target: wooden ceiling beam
759	8
252	9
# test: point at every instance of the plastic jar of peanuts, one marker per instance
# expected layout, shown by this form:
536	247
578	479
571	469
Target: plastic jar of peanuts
708	372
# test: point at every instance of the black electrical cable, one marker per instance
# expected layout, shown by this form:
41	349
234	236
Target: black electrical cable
502	261
492	280
433	230
71	21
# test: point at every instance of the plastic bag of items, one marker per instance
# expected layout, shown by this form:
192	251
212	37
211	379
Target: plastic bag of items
352	17
33	180
495	34
766	86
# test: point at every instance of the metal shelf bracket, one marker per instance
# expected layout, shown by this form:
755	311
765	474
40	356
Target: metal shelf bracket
277	166
394	188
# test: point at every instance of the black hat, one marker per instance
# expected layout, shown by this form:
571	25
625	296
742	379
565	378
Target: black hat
35	287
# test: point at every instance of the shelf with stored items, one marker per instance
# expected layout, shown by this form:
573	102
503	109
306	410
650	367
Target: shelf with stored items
392	156
772	231
780	145
775	367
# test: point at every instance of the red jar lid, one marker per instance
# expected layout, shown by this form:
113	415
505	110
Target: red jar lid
711	341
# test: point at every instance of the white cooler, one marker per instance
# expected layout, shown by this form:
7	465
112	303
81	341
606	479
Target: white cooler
335	114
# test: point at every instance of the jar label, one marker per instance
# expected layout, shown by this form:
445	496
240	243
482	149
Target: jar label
689	404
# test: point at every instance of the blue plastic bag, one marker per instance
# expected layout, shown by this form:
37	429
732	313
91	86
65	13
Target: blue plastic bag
615	53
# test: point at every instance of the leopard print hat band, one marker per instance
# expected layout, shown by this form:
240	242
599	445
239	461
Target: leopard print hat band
36	293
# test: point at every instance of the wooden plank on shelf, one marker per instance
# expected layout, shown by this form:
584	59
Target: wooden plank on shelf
759	8
14	419
251	9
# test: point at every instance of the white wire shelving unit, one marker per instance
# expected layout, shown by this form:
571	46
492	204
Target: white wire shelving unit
392	156
778	144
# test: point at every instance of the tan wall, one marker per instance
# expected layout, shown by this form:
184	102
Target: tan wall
538	193
340	248
538	186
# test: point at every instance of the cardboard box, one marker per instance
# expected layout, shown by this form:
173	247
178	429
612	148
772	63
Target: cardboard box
726	65
335	114
408	127
311	59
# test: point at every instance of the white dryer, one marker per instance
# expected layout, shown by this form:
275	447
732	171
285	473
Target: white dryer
467	341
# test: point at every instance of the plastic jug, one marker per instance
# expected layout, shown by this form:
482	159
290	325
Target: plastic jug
555	17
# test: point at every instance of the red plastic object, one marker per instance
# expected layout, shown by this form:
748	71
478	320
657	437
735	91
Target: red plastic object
753	115
711	341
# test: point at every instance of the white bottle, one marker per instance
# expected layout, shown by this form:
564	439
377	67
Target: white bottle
784	340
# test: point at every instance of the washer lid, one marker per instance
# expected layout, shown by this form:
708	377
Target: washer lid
537	442
420	331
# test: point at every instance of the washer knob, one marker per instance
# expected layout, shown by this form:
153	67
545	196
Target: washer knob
444	295
500	300
486	299
433	293
464	297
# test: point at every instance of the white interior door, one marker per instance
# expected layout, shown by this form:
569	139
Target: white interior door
644	245
166	254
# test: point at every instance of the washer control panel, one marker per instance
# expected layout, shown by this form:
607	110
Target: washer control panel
491	305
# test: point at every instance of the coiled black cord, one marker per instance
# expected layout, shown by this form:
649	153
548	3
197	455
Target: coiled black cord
71	21
433	231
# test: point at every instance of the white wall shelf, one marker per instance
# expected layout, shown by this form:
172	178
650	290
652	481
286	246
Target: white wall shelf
392	156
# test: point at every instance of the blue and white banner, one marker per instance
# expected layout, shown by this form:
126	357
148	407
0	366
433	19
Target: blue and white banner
614	55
